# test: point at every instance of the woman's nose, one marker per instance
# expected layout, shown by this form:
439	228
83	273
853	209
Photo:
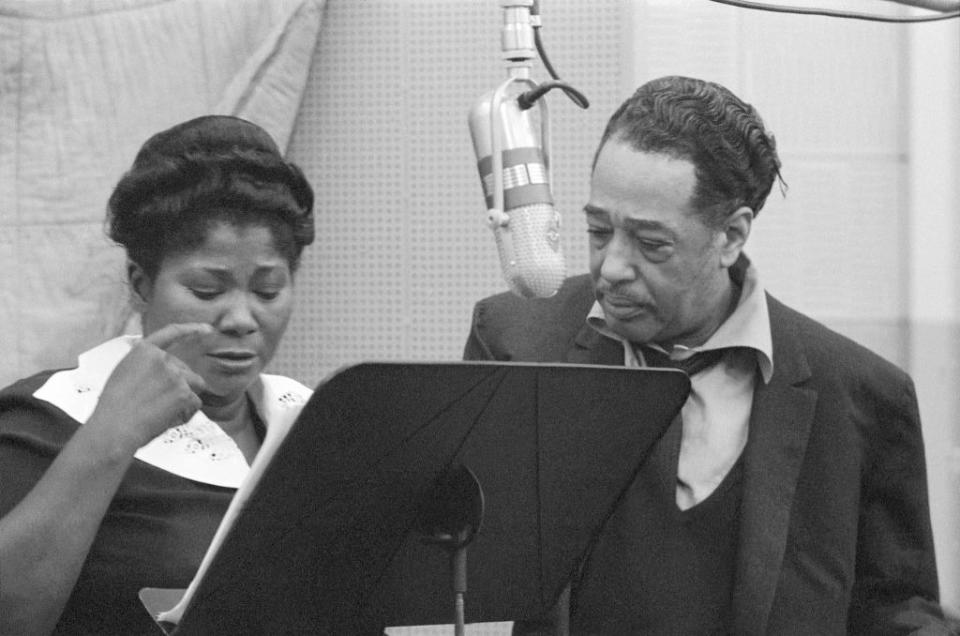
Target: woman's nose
237	316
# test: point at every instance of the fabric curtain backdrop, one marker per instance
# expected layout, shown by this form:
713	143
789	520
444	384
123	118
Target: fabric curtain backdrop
82	85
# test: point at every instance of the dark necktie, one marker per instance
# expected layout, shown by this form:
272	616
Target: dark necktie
691	365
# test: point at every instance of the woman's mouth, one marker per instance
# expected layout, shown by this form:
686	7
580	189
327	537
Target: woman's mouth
234	360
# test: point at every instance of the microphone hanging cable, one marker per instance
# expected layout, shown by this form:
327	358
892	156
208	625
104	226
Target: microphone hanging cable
835	13
575	96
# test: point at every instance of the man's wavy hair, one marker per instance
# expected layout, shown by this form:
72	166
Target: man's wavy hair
734	157
212	169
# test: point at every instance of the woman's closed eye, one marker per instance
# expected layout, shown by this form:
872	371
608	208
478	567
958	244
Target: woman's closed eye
205	293
267	294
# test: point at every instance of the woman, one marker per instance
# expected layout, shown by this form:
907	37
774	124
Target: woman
115	475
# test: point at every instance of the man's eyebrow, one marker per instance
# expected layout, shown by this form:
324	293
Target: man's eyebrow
631	225
638	225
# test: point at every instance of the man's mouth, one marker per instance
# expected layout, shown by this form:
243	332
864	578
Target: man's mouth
621	307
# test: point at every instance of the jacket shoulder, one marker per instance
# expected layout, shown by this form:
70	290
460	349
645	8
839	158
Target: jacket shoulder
509	327
828	352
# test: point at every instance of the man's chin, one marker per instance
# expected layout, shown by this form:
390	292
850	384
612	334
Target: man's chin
637	331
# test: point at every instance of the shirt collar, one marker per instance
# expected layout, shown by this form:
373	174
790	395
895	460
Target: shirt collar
198	449
748	325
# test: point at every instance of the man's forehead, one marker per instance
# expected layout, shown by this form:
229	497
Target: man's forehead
624	174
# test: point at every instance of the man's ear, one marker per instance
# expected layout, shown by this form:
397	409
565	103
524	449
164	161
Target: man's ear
736	231
140	285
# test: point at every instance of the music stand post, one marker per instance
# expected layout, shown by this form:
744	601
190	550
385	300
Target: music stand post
450	515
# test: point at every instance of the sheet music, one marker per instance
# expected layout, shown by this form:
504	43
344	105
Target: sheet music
276	433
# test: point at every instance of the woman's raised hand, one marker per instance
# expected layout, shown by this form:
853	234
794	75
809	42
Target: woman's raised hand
150	390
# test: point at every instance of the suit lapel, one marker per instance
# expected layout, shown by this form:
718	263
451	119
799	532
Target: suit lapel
779	428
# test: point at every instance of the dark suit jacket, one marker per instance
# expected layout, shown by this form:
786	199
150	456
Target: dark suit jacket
835	530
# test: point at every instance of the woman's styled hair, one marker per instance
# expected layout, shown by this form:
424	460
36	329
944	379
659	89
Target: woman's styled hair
212	169
734	157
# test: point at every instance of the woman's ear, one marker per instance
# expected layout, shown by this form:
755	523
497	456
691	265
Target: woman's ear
140	286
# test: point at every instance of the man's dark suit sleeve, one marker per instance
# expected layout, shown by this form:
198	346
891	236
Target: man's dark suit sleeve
896	588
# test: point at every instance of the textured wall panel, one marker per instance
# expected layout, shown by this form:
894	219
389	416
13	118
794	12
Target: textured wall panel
403	251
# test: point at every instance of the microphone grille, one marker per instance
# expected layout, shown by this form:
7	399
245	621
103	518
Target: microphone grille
530	253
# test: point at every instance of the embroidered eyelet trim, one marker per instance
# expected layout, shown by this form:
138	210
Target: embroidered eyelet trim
289	399
201	438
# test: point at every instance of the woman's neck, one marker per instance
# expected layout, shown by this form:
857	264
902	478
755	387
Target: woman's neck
232	415
236	420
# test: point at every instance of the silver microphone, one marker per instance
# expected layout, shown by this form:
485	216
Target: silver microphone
514	166
511	135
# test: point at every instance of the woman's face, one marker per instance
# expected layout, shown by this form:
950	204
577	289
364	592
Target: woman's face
235	281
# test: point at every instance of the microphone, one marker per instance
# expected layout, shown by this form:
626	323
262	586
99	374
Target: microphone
513	161
511	143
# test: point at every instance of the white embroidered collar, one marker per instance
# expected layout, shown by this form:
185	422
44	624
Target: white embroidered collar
197	450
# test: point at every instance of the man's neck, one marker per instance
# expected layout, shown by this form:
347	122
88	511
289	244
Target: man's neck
728	301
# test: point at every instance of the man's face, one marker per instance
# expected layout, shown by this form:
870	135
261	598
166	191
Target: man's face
659	272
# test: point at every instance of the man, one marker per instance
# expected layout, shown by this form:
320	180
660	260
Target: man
790	497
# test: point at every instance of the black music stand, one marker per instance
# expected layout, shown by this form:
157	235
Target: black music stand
326	543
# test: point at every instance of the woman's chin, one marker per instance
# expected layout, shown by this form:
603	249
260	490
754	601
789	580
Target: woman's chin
222	391
219	398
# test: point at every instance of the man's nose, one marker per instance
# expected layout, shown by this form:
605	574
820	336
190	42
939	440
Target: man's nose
618	260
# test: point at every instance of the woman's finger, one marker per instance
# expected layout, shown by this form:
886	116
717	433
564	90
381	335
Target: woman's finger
171	334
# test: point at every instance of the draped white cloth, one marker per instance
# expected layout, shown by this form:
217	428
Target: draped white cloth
82	85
